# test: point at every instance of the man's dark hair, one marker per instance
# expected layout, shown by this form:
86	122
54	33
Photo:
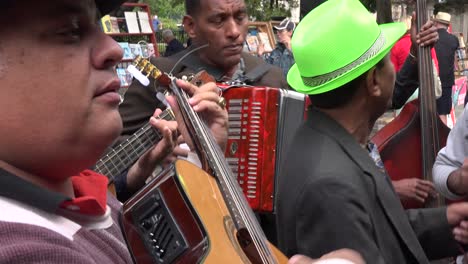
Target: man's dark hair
342	95
192	7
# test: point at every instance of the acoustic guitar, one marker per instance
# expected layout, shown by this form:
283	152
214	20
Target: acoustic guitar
120	158
194	215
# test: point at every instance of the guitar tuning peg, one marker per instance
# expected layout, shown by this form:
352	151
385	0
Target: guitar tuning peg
138	75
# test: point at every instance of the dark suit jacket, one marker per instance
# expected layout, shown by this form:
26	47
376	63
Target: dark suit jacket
140	102
173	47
331	195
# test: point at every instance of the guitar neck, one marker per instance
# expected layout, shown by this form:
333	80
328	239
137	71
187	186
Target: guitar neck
118	159
213	160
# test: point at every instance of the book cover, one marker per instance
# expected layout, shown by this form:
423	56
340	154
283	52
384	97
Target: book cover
144	22
106	24
151	50
252	43
114	25
263	37
144	50
135	49
132	22
122	76
127	52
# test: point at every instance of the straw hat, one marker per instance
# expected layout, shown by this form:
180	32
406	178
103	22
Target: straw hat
442	17
337	42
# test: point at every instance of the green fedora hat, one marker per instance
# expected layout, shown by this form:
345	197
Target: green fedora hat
337	42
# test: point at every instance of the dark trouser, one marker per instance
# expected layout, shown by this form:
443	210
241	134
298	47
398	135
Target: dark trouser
444	103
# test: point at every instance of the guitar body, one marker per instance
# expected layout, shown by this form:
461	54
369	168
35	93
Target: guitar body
199	227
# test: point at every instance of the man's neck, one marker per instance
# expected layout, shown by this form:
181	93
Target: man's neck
227	72
354	120
65	187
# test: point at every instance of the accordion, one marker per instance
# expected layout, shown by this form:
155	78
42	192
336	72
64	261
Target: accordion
262	122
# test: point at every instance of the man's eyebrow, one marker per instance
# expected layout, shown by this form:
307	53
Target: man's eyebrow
224	13
242	10
70	8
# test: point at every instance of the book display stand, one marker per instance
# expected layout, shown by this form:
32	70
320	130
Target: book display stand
132	28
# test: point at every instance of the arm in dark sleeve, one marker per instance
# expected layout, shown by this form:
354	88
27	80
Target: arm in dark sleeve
121	190
433	232
407	81
330	216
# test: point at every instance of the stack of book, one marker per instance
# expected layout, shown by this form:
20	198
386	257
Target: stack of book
132	50
110	24
135	22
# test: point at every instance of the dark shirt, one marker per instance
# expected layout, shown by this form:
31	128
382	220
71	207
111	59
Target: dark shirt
407	81
173	47
445	49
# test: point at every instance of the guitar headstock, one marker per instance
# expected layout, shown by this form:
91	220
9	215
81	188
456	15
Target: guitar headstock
142	69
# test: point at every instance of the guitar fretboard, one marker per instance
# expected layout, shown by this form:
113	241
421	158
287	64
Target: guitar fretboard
118	159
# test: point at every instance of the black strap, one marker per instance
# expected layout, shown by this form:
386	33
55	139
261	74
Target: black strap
14	187
194	63
256	73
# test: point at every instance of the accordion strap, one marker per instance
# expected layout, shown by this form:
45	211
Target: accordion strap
194	63
256	73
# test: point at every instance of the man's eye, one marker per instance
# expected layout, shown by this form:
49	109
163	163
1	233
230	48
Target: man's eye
241	17
71	34
217	20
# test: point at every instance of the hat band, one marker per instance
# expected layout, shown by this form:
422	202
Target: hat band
370	53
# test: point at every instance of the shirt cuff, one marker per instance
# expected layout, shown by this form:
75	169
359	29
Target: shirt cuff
441	174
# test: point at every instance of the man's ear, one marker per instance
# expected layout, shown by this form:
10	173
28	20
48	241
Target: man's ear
189	26
373	82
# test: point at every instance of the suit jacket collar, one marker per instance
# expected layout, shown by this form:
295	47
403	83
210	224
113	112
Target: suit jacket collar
384	188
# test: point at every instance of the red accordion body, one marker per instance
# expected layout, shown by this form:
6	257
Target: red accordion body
262	122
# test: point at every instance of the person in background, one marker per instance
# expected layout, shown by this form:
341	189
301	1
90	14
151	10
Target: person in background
173	45
156	23
401	49
333	192
281	55
445	49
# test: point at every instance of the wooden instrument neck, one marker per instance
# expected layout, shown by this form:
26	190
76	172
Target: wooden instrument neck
427	100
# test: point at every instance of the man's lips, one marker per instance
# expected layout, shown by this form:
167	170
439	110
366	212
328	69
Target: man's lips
111	87
109	93
234	48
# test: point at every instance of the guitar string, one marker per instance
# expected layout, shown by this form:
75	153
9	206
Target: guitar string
131	141
195	119
234	192
242	203
427	98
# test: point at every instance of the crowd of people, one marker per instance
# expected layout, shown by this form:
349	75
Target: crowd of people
335	202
